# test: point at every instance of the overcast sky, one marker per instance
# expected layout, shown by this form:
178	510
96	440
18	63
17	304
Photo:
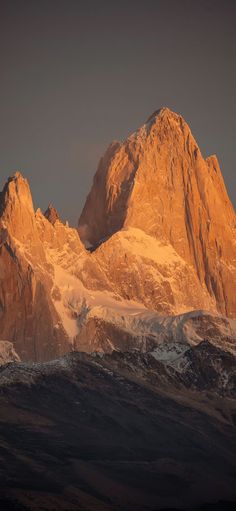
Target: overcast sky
77	74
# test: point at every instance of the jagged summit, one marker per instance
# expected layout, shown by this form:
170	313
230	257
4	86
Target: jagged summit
15	184
51	214
163	111
17	210
155	114
18	175
18	185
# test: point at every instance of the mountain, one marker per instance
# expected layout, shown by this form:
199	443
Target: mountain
124	397
120	431
157	181
28	316
161	232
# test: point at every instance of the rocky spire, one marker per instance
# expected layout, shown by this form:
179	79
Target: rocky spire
51	214
17	211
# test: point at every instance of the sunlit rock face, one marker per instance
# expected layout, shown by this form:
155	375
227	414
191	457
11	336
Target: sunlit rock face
158	181
162	231
27	315
149	270
17	215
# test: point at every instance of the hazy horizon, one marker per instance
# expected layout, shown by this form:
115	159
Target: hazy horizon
77	75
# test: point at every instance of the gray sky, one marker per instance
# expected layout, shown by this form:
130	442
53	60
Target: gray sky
77	74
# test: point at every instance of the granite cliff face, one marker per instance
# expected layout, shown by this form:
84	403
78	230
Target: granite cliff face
157	181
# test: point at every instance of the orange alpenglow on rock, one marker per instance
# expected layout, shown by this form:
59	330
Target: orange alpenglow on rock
158	181
162	261
28	317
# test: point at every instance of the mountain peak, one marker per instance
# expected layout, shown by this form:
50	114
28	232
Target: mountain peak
164	110
16	178
51	214
18	175
17	210
16	183
16	191
158	181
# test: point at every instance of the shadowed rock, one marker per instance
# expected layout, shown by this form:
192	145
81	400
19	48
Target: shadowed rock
51	214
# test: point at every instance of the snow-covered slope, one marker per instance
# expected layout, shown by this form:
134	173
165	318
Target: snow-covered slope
142	268
98	319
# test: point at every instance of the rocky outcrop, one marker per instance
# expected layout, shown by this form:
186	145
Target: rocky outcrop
51	214
158	181
7	353
54	235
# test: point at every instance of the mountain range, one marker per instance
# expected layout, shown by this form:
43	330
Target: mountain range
118	337
153	258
